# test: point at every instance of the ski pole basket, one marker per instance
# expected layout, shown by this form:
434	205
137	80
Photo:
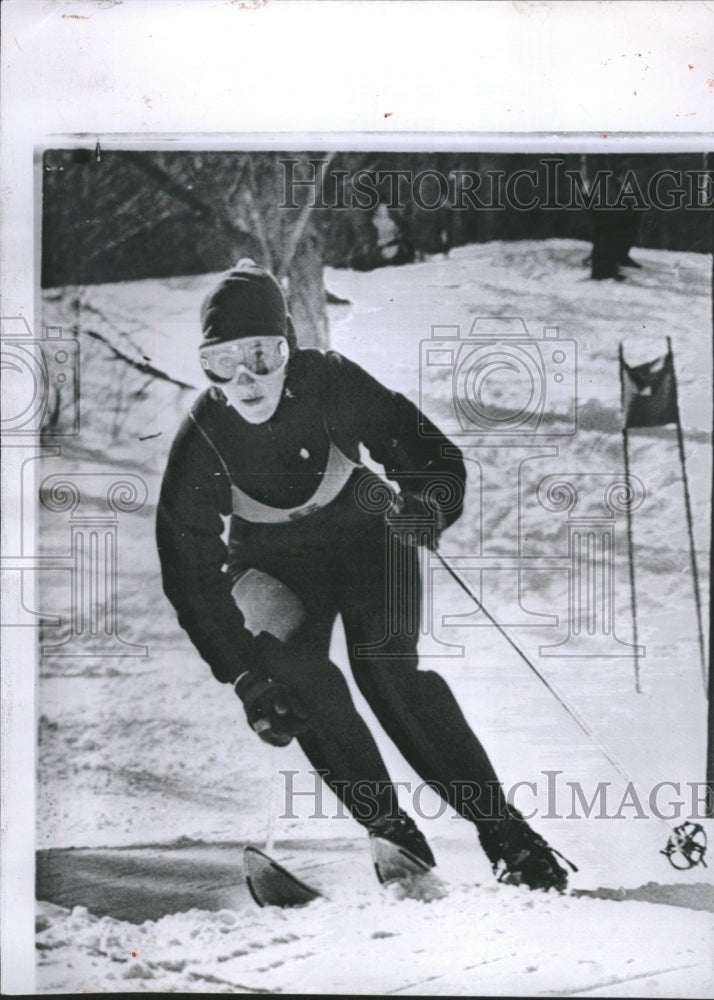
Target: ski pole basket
687	846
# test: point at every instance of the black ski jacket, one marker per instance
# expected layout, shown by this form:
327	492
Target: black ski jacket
280	463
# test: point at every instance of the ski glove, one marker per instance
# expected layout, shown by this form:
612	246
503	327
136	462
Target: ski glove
272	710
407	510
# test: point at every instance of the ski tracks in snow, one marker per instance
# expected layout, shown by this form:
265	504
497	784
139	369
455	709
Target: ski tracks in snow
479	940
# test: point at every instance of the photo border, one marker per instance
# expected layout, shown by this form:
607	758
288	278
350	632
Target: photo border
51	96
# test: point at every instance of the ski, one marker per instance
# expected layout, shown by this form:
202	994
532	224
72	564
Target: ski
270	884
393	863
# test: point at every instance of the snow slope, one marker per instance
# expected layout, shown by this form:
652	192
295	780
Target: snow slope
150	750
478	941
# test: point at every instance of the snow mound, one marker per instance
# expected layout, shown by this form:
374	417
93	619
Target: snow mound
478	941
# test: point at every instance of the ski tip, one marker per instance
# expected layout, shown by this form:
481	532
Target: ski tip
405	876
392	862
251	849
270	884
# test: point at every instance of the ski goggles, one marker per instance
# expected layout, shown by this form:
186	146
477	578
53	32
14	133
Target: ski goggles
259	355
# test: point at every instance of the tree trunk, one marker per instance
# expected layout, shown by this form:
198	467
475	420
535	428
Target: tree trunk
306	293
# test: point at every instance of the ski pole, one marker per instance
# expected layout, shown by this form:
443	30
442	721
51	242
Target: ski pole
689	839
272	803
574	715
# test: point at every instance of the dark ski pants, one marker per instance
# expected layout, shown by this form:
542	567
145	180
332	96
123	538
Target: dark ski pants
377	594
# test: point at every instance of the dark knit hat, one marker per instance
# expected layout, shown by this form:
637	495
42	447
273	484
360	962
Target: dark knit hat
247	302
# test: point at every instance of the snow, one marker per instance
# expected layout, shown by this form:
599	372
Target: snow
490	941
152	751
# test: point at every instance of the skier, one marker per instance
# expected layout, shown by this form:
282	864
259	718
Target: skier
274	443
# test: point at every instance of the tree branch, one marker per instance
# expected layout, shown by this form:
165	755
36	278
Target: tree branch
143	366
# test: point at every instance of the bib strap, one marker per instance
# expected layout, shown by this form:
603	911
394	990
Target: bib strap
337	472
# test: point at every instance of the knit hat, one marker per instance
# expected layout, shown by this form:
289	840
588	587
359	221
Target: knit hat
247	302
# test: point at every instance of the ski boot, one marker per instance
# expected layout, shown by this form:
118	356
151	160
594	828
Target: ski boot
520	856
401	830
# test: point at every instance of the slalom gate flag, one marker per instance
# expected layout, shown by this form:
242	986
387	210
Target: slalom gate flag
649	393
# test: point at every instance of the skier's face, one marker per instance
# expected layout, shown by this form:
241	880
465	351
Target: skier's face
251	372
255	397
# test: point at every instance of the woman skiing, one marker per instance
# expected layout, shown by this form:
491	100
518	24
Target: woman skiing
274	443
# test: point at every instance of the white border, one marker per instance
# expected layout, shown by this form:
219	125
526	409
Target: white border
551	76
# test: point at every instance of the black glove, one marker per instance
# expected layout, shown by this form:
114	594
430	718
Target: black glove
273	711
409	511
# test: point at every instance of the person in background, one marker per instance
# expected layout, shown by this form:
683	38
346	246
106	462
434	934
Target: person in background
614	232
